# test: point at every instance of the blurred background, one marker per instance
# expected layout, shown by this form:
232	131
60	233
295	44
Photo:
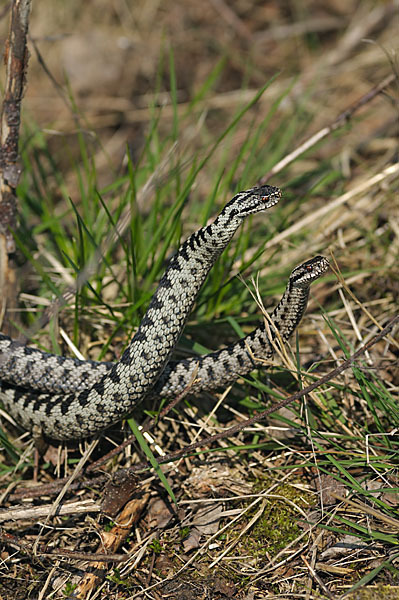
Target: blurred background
147	116
113	59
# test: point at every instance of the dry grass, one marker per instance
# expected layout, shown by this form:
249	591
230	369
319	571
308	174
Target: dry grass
302	506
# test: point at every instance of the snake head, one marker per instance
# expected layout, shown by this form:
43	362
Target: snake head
267	194
253	200
309	271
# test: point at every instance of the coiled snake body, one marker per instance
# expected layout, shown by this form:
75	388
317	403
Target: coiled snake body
70	399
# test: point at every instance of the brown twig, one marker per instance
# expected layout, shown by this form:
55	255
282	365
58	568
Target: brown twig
43	550
317	578
340	120
111	541
16	59
297	396
55	486
146	428
183	452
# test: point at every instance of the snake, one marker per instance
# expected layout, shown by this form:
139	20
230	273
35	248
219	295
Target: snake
69	399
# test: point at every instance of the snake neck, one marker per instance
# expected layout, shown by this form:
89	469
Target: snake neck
289	311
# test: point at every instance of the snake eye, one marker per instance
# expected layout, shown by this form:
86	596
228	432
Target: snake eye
309	268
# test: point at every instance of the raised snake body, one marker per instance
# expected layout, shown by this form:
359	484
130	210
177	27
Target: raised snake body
70	399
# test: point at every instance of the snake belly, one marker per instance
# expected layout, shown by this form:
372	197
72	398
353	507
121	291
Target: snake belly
66	416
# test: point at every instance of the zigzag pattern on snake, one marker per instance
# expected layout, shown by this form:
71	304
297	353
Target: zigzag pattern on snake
84	397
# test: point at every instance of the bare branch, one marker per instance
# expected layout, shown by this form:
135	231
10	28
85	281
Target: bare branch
55	486
262	415
341	119
16	59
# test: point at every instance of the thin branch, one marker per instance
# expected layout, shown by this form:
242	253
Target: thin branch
16	59
340	120
27	548
183	452
297	396
391	171
146	428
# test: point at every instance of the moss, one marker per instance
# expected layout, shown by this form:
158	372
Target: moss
276	529
277	526
382	592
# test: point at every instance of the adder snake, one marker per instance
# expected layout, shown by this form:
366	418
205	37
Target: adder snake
68	399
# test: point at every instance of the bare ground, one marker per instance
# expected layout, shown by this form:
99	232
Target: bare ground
241	529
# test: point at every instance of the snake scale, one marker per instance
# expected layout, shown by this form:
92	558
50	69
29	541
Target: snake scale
67	399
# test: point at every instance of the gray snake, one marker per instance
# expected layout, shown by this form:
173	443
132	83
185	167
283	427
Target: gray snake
67	398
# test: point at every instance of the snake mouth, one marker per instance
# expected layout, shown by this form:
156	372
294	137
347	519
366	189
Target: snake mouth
325	263
253	200
309	271
271	201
